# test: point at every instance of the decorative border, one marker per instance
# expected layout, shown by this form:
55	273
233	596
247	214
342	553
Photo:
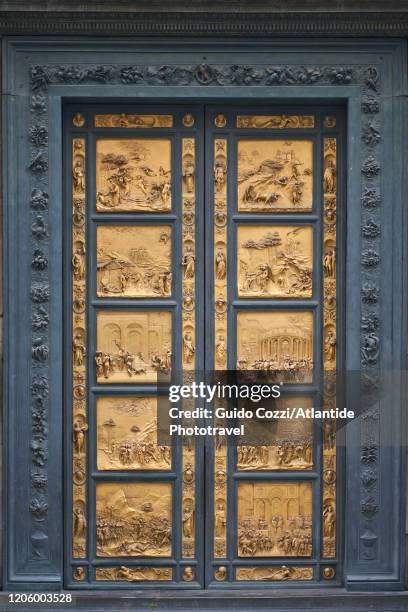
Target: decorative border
41	77
210	23
329	265
79	357
220	213
189	255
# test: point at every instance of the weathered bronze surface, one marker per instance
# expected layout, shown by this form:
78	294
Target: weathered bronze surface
274	573
275	519
133	175
127	435
282	444
275	261
79	404
134	261
279	122
278	341
133	574
125	120
133	519
275	175
133	346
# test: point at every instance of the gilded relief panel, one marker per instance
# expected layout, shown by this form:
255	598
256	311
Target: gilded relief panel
275	122
275	261
130	120
281	444
133	175
133	574
133	519
275	519
276	573
275	175
133	346
280	341
127	435
134	260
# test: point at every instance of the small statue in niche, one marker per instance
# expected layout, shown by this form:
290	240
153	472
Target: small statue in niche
220	265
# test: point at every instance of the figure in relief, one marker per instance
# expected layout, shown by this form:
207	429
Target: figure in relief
80	427
79	350
330	345
188	347
329	177
79	522
79	177
220	265
188	520
189	262
220	350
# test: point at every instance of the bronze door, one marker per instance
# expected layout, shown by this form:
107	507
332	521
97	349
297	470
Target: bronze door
201	239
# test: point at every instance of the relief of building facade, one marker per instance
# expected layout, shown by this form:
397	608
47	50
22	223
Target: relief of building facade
274	519
133	346
277	341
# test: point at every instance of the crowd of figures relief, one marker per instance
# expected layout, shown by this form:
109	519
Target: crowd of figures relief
133	520
275	519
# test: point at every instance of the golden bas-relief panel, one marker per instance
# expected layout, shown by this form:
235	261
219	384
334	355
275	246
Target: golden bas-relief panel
133	574
280	122
134	261
277	341
275	175
79	333
133	519
282	444
133	346
128	120
275	261
133	175
275	573
127	435
275	519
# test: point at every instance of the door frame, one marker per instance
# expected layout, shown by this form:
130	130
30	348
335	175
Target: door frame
367	76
